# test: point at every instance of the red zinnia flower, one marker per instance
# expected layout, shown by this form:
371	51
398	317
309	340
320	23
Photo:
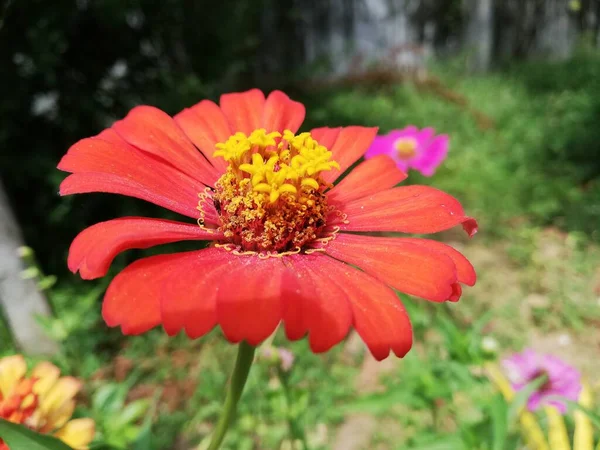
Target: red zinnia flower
288	246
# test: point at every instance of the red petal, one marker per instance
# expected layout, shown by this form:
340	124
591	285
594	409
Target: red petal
456	293
281	113
373	175
111	135
189	297
152	130
350	145
326	136
379	317
249	299
406	209
205	125
464	269
408	267
94	248
113	166
470	226
132	300
313	304
244	110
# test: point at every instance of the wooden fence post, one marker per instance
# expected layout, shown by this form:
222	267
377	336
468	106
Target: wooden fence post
20	298
480	34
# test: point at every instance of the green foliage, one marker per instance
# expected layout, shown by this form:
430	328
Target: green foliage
119	423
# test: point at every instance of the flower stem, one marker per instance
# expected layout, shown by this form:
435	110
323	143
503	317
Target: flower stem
296	430
239	376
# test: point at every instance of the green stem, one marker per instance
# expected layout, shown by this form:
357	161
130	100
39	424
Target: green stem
296	431
243	363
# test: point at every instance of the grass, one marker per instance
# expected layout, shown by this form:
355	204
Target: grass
517	163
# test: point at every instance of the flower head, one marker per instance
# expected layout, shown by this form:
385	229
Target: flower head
563	380
42	401
287	245
412	148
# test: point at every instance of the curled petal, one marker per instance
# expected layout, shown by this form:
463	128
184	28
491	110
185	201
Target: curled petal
464	269
155	132
407	209
107	164
94	249
410	268
377	174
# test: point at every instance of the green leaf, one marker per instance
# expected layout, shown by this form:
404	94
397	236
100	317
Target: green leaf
523	395
498	414
18	437
133	411
447	443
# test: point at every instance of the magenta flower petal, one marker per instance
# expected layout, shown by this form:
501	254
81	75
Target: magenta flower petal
429	162
564	381
381	146
412	148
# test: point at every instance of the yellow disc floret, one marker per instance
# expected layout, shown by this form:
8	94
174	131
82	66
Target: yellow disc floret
406	148
271	196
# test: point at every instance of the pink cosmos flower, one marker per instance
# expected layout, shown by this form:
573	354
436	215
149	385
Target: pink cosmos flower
563	380
412	148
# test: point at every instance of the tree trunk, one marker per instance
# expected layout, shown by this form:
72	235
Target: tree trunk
20	298
480	37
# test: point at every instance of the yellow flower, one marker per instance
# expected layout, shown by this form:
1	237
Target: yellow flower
43	401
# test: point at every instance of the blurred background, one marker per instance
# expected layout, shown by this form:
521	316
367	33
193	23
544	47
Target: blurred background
514	83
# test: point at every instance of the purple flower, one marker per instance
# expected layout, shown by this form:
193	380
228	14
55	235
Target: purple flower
562	380
412	148
287	359
277	355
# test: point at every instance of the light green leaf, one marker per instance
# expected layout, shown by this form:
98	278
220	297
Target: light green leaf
499	426
18	437
523	395
134	411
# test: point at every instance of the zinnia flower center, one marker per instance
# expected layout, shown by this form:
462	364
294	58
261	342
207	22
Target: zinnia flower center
406	148
20	404
271	197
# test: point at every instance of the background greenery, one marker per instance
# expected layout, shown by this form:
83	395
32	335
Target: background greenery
524	160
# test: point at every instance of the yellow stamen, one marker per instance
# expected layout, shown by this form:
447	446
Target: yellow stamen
406	148
271	196
235	147
275	168
262	139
